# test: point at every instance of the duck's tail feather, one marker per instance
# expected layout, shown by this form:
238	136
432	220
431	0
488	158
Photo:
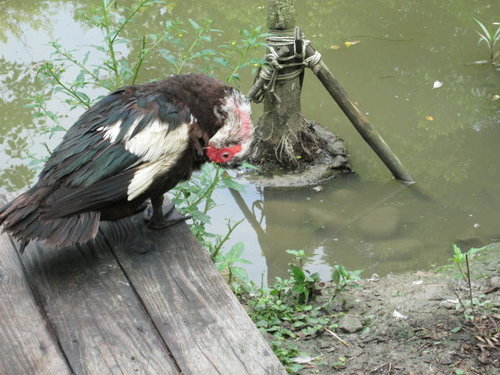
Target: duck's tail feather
21	218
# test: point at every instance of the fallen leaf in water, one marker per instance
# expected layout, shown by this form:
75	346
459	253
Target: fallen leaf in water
481	62
351	43
334	47
429	118
437	84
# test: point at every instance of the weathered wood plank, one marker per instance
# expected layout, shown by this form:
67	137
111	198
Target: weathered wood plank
26	344
98	318
201	321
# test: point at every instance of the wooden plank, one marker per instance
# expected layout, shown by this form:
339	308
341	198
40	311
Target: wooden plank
99	320
26	344
200	319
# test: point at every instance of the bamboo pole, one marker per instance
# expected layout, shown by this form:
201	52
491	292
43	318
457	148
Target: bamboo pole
360	122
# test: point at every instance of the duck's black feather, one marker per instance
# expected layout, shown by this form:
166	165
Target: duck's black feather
67	202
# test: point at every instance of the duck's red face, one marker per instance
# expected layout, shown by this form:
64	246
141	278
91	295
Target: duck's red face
222	155
232	141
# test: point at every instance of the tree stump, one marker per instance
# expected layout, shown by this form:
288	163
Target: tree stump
294	150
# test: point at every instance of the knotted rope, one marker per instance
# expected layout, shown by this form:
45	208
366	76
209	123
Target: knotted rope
272	70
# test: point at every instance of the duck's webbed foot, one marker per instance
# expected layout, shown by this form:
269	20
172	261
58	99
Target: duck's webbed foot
162	217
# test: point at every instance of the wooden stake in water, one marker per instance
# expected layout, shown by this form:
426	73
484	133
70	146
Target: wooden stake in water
360	122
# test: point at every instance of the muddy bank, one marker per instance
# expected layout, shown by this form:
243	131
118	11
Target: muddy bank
412	324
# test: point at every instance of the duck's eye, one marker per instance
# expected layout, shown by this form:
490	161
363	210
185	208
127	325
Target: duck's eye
225	155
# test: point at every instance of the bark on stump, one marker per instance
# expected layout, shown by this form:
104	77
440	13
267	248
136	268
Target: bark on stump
285	141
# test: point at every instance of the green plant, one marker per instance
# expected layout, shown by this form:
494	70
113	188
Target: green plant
460	262
226	263
285	352
285	311
340	363
235	55
490	38
461	266
305	284
284	321
195	199
344	278
199	34
112	68
118	60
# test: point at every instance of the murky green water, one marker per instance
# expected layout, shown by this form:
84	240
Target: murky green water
448	137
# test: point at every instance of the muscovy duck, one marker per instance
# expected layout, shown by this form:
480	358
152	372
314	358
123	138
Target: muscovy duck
136	143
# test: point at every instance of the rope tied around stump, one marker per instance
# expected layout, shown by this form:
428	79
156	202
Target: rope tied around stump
272	71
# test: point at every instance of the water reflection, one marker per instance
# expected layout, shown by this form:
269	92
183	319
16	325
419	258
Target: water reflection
447	137
16	122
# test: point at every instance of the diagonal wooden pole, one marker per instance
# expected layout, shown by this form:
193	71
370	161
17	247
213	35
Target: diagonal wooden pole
360	122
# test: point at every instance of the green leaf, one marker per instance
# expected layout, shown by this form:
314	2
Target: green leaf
237	250
167	55
487	35
194	25
206	38
232	184
84	96
198	215
85	58
222	61
296	253
298	274
240	273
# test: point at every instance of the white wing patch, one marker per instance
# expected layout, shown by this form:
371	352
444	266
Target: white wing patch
111	132
159	149
154	141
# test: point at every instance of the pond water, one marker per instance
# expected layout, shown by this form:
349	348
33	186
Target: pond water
448	137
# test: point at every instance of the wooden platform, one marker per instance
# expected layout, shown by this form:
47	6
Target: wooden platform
135	302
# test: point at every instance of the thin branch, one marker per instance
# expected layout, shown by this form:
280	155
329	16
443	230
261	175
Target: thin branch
128	19
81	66
187	55
69	91
469	283
337	337
142	55
225	238
110	41
144	52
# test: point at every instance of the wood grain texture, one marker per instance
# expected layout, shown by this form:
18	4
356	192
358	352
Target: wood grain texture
135	301
98	318
26	344
200	319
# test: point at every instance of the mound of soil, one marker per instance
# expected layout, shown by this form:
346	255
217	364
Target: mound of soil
412	324
326	157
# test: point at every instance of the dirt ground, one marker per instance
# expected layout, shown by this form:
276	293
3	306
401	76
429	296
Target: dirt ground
412	324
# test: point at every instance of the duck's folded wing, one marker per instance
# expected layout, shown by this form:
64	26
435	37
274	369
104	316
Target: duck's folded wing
108	157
